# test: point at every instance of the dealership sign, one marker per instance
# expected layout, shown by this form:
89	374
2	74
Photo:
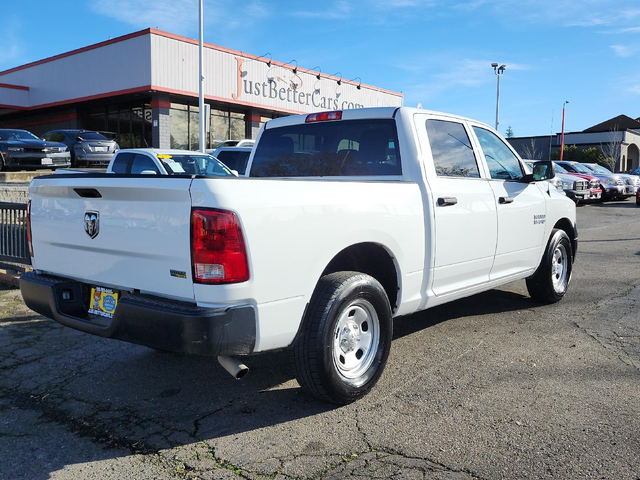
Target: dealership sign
288	88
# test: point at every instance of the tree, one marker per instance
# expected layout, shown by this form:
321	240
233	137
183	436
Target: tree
529	151
612	149
574	154
509	132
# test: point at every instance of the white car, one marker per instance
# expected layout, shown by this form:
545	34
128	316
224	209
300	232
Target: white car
154	161
347	219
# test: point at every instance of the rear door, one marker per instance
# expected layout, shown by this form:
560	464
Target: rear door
463	204
124	232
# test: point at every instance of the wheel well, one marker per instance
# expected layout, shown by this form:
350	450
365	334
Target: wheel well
567	226
372	259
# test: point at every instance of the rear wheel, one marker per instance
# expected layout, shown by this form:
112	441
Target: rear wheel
550	281
345	338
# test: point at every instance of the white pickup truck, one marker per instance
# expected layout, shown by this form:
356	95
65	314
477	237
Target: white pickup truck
345	220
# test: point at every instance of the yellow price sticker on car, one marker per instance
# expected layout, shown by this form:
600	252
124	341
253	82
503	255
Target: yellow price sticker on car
165	156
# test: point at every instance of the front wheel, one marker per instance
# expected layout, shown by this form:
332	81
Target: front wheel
345	338
550	281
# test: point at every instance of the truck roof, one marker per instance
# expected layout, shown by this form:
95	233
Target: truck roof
361	113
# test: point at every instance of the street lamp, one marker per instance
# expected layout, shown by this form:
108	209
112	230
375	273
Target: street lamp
562	136
499	71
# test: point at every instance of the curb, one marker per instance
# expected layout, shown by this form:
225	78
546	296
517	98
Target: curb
10	278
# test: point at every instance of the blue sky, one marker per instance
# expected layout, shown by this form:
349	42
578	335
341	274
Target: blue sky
437	52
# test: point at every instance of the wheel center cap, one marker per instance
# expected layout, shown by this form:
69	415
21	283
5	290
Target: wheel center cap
349	337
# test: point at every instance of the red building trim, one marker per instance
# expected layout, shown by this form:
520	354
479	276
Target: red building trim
15	87
160	104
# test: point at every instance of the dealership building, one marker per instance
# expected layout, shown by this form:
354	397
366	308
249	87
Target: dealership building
144	88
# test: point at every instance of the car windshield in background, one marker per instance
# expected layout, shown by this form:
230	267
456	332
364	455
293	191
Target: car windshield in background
560	169
582	169
90	136
194	165
600	169
328	149
17	135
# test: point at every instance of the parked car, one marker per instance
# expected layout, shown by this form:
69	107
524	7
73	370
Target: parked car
236	158
86	147
23	149
378	213
631	182
612	186
638	197
580	187
247	142
153	161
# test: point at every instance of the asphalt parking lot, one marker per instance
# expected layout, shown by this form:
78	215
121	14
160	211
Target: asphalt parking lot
492	386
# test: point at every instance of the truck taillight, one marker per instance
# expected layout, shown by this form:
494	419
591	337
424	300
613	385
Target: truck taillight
324	116
218	250
29	229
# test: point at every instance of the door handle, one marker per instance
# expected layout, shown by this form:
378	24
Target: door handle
444	201
504	200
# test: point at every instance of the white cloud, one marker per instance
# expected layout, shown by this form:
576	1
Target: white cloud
180	16
624	50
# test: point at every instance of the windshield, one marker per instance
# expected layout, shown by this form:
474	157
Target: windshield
600	169
582	169
560	169
17	135
91	136
194	164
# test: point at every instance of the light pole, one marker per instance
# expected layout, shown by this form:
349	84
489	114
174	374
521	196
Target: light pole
562	135
499	71
201	120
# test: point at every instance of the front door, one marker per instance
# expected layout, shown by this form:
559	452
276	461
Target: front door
521	208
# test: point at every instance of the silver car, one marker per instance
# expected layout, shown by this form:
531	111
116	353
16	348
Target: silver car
86	147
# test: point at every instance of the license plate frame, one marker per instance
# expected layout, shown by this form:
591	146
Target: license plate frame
103	301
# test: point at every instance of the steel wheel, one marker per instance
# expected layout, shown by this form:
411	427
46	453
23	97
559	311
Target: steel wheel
356	339
559	269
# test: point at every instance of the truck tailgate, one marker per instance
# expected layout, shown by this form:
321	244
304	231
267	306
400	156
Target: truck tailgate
143	231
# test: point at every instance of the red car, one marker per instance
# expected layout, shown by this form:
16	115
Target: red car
638	198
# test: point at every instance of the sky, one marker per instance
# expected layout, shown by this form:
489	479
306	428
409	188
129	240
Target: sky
436	52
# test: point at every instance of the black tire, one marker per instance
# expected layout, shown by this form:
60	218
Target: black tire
551	280
333	359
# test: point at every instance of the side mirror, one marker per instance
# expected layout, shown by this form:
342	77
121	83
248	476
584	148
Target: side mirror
544	170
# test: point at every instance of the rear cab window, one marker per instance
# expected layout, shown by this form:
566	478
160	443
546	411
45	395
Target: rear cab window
344	148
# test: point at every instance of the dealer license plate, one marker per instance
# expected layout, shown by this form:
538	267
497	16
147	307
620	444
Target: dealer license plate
47	161
100	149
103	302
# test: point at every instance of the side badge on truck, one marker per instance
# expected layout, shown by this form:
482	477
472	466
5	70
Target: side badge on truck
92	223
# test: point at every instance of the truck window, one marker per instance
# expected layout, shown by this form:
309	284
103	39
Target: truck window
235	160
451	149
121	162
329	149
141	163
502	163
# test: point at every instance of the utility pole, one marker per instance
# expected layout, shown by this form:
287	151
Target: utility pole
562	135
201	120
499	71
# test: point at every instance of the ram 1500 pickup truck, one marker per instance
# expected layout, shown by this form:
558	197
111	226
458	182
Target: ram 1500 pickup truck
345	220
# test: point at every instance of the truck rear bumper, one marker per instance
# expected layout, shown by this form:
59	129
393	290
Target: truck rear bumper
145	320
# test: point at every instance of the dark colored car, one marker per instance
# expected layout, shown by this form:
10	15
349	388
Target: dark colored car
86	147
22	149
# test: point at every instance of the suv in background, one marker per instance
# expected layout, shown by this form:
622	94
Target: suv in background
86	147
236	158
21	148
631	182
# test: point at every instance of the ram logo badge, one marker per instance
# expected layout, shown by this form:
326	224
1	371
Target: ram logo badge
92	223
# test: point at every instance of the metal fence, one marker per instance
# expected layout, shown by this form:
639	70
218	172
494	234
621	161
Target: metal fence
13	233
